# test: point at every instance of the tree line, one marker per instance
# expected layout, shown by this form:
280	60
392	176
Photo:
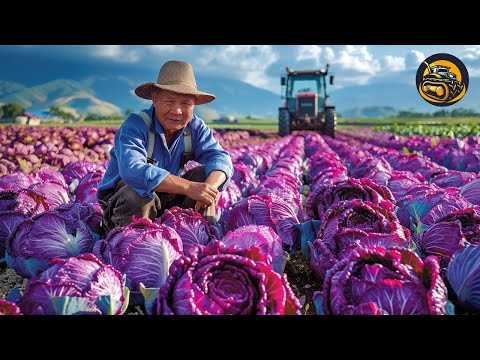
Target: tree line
460	112
13	109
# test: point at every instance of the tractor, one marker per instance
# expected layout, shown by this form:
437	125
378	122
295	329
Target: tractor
307	105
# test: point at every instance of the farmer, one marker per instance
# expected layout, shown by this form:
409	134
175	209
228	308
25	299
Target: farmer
143	177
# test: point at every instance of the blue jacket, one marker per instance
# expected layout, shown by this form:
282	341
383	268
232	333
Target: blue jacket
128	157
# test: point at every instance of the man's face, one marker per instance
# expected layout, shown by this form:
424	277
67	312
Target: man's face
173	110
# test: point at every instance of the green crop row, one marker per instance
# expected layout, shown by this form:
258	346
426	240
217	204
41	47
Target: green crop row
443	131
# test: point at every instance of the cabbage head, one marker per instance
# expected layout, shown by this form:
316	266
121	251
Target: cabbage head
143	250
221	280
48	235
261	236
80	285
9	308
379	281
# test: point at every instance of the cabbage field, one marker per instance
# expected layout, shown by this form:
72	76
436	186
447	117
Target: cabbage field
367	223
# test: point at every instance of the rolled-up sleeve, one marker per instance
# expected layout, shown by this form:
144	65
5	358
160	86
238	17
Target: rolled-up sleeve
210	153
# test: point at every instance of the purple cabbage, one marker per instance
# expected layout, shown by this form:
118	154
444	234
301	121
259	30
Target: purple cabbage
86	191
48	174
77	170
453	178
53	193
244	177
15	181
80	285
228	197
402	181
464	278
90	214
258	162
143	250
471	191
9	308
449	234
351	224
44	237
190	226
218	280
422	205
267	209
8	224
262	237
25	201
323	197
375	281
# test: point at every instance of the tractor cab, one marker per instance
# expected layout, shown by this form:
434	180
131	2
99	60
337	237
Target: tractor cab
306	104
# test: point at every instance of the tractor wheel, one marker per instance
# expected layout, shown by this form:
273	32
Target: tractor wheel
283	122
330	123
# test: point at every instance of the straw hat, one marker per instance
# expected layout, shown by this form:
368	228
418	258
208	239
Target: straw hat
176	76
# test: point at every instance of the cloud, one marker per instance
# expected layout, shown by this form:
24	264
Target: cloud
116	53
471	52
414	58
394	63
162	49
358	59
247	63
329	54
473	71
309	52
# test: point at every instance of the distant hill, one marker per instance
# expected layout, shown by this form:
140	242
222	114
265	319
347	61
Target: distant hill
113	95
61	92
6	88
370	112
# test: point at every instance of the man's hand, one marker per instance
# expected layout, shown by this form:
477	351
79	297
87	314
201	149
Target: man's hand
215	179
200	205
203	193
208	212
200	191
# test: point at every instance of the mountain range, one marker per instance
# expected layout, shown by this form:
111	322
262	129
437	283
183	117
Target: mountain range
108	90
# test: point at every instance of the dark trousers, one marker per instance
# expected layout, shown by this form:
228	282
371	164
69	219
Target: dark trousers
122	203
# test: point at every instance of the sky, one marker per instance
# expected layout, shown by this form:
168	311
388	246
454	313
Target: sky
262	65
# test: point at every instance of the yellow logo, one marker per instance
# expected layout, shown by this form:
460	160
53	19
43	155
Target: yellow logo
442	79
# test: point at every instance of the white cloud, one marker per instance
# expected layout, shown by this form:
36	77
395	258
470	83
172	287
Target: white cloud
242	62
329	54
394	63
309	52
473	71
471	52
357	58
117	53
413	59
162	49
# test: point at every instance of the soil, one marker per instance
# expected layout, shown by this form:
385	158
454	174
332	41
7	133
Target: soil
302	282
9	279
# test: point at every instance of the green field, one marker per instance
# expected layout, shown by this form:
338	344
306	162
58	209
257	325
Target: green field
407	121
247	124
272	124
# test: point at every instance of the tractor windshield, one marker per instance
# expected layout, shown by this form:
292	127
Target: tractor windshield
303	83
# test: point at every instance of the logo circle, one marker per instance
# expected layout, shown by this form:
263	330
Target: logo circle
442	79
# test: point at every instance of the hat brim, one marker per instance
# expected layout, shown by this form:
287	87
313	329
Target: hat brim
145	91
